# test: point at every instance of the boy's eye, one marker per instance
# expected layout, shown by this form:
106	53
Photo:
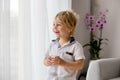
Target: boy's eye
58	24
53	24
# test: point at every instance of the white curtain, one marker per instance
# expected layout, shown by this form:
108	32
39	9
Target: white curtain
25	35
5	41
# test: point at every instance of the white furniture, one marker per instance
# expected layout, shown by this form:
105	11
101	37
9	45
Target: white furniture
104	69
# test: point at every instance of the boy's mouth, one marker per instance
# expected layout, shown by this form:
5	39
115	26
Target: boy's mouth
57	32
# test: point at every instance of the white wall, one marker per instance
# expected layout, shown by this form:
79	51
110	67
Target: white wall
81	7
111	29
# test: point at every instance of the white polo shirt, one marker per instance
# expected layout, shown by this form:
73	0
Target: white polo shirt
71	51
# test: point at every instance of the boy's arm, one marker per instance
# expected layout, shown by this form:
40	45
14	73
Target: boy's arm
75	65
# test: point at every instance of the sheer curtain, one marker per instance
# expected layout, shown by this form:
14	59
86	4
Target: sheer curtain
25	34
4	40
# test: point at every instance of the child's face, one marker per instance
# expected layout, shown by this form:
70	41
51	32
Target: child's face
60	29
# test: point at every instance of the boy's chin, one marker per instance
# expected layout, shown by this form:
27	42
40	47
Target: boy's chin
57	36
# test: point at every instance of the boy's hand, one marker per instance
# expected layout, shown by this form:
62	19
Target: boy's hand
47	61
57	61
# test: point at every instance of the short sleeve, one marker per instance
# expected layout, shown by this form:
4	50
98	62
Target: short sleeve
78	52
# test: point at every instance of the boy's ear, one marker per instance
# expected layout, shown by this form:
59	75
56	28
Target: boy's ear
72	29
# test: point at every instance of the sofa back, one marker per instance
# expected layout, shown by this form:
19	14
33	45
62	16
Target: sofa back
104	69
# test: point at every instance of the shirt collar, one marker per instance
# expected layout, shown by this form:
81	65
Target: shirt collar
71	41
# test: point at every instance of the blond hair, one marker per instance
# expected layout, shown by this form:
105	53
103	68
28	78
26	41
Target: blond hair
69	18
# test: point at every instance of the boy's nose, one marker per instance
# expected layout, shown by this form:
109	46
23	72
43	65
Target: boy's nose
54	27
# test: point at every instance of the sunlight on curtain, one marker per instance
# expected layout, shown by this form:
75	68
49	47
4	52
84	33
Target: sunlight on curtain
13	39
33	37
8	40
25	33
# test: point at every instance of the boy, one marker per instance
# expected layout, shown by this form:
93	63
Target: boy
65	55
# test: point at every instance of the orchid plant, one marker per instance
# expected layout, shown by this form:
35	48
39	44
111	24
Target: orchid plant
95	25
